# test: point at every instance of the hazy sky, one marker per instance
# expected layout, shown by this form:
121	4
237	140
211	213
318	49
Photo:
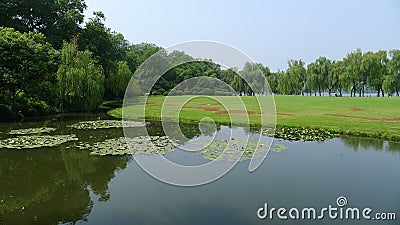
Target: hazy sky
270	32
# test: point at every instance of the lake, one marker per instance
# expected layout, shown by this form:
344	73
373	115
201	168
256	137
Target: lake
66	185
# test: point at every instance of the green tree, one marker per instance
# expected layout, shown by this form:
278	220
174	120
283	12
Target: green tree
107	47
273	80
293	81
338	69
118	81
138	53
374	68
312	78
317	78
324	68
238	84
353	77
254	79
81	81
26	60
392	81
58	20
96	38
119	47
228	75
147	74
184	67
284	84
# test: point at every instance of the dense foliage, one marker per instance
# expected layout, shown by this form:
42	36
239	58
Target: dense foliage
57	20
356	74
27	68
50	61
80	81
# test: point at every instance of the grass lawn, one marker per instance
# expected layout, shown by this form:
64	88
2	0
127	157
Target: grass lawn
373	117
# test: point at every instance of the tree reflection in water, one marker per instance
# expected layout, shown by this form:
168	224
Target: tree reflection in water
62	184
357	143
53	186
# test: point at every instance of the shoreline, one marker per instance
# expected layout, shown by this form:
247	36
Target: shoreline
338	132
359	117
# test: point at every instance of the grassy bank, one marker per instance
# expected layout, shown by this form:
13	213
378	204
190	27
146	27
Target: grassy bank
371	117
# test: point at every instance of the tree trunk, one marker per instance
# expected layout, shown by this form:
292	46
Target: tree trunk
383	93
319	90
363	90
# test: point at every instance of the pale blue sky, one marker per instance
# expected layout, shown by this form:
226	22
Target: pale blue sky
270	32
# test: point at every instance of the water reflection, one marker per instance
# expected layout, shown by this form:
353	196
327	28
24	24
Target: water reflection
190	130
66	185
54	185
358	143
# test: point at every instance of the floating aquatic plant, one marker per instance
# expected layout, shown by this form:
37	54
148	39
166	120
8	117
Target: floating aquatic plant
125	146
104	124
231	150
301	134
278	148
39	130
31	142
160	144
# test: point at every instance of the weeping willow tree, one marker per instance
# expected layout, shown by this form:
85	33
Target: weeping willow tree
118	81
81	82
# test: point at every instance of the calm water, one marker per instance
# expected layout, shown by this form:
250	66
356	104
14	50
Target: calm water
64	185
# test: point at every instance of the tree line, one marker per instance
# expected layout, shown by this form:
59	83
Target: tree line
52	61
357	72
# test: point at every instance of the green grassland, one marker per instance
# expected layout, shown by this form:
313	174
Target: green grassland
371	117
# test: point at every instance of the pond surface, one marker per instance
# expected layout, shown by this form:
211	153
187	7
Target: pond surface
64	185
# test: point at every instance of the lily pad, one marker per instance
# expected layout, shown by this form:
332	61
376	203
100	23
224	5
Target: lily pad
31	142
144	145
33	131
278	148
231	150
301	134
104	124
125	146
